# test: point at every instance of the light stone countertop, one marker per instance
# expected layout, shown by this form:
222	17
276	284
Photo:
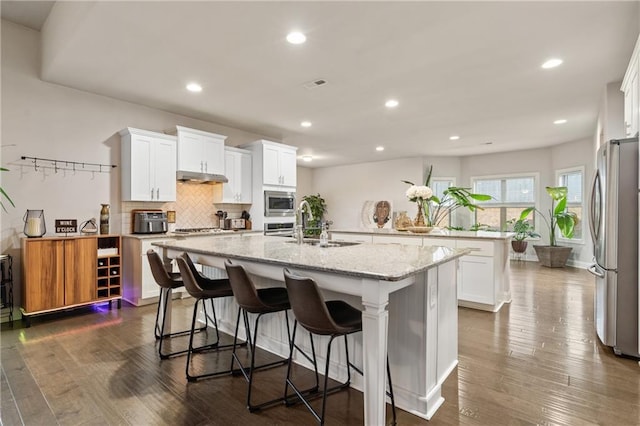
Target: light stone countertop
436	233
388	262
181	235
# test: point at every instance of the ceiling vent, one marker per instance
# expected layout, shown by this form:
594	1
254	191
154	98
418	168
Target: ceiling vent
315	83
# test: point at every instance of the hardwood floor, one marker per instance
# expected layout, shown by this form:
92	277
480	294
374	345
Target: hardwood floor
537	361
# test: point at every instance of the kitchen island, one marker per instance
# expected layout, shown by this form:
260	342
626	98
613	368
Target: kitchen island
483	274
408	297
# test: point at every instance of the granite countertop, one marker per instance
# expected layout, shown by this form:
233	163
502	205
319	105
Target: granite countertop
388	262
436	233
182	235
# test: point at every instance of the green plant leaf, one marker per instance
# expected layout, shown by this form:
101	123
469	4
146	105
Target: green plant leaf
566	223
560	207
526	212
407	182
557	192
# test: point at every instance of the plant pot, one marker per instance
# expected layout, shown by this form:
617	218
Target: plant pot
553	256
519	246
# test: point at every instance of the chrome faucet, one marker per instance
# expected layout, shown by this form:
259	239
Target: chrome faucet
299	234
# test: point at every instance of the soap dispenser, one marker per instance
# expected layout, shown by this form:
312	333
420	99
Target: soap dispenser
324	236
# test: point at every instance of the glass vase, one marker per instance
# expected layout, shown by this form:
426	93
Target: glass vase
419	220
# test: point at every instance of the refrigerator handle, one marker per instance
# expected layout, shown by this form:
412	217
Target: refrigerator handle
592	225
594	270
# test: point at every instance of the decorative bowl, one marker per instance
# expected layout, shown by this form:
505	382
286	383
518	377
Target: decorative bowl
420	229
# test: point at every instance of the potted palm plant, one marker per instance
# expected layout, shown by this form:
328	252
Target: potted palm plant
523	229
553	255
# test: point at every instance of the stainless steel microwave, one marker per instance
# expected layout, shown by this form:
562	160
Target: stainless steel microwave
279	203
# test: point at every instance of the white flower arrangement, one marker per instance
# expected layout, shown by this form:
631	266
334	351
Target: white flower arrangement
419	193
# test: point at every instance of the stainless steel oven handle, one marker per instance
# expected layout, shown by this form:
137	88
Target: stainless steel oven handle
594	270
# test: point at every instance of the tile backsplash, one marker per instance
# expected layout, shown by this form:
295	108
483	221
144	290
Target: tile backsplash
194	208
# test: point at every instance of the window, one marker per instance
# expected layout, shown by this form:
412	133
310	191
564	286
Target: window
438	186
573	179
510	195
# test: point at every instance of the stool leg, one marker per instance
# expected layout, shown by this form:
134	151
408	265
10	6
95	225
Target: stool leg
190	350
393	401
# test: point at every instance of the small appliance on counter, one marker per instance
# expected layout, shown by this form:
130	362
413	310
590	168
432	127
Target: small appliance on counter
234	224
149	222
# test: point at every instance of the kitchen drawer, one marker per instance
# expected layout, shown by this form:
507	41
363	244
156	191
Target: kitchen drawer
444	242
352	238
478	248
391	239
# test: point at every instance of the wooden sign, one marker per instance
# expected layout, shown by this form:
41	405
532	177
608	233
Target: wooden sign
65	226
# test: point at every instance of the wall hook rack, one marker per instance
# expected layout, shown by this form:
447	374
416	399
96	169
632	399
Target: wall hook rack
57	164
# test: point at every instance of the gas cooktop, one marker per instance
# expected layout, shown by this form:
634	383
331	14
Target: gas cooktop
200	230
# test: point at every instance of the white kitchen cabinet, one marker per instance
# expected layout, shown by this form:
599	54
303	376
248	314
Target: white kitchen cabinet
279	165
238	189
483	275
475	279
200	152
392	239
631	90
148	166
139	286
274	163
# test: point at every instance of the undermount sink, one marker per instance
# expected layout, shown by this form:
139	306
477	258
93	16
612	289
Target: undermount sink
315	242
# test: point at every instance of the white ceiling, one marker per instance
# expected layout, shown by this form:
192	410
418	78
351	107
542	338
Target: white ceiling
465	68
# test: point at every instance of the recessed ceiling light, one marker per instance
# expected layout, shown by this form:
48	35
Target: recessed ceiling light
305	124
488	143
454	137
307	158
391	103
194	87
552	63
380	148
561	121
296	37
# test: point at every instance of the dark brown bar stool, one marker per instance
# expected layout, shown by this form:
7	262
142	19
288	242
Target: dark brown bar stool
333	318
202	288
167	282
260	302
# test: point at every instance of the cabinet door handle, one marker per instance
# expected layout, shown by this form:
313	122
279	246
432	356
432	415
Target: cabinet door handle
201	166
158	194
206	166
152	193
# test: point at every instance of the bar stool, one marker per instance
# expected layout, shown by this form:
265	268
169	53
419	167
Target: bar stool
257	301
202	288
167	281
333	318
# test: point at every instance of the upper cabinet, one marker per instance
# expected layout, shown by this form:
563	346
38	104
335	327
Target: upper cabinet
237	169
200	152
275	162
148	166
632	95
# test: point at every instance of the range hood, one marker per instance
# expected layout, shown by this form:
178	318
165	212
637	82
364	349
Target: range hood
200	177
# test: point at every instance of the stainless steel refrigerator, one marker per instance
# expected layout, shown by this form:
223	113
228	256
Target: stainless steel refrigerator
613	221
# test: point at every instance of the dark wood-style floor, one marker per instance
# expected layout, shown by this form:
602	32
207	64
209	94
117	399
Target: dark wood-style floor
537	361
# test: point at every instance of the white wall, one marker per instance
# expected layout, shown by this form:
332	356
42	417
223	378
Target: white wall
346	187
40	119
